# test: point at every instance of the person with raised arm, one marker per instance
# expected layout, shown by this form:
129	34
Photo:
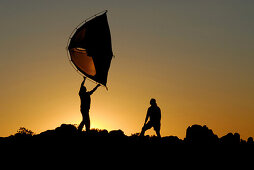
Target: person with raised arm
85	98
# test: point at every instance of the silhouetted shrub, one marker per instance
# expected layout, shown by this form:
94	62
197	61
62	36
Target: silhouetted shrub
25	132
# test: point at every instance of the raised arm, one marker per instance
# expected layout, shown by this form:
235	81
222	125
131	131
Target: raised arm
91	92
82	86
83	82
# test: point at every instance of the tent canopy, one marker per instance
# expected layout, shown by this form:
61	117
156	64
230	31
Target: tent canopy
90	49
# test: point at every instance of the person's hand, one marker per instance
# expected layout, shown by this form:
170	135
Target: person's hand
98	85
84	77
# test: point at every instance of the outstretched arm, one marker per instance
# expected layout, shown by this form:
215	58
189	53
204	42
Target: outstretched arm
91	92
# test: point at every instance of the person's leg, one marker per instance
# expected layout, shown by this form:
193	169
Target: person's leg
158	133
81	125
145	128
87	120
157	128
143	131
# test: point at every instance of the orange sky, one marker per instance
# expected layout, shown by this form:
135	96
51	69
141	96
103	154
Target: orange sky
196	58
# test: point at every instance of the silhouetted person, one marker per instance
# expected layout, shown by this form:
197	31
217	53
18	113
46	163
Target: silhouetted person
85	105
154	113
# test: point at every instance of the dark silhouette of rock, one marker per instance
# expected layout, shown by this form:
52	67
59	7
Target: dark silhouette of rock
117	133
66	129
68	135
171	140
250	140
197	134
230	139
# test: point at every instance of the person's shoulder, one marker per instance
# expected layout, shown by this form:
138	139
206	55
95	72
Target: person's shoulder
149	108
158	108
82	91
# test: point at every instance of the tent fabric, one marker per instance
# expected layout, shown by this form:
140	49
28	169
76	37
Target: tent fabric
91	50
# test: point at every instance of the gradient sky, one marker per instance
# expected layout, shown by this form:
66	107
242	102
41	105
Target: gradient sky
195	57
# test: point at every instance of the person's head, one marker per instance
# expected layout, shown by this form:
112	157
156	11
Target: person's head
84	88
153	102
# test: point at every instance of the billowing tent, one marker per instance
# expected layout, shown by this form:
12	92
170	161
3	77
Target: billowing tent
90	49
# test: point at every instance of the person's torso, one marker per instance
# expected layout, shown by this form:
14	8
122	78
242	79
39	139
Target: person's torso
155	114
85	99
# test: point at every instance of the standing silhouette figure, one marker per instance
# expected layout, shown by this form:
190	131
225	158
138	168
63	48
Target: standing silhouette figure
85	98
154	113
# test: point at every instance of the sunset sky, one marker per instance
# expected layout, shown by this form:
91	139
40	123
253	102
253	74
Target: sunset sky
196	58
